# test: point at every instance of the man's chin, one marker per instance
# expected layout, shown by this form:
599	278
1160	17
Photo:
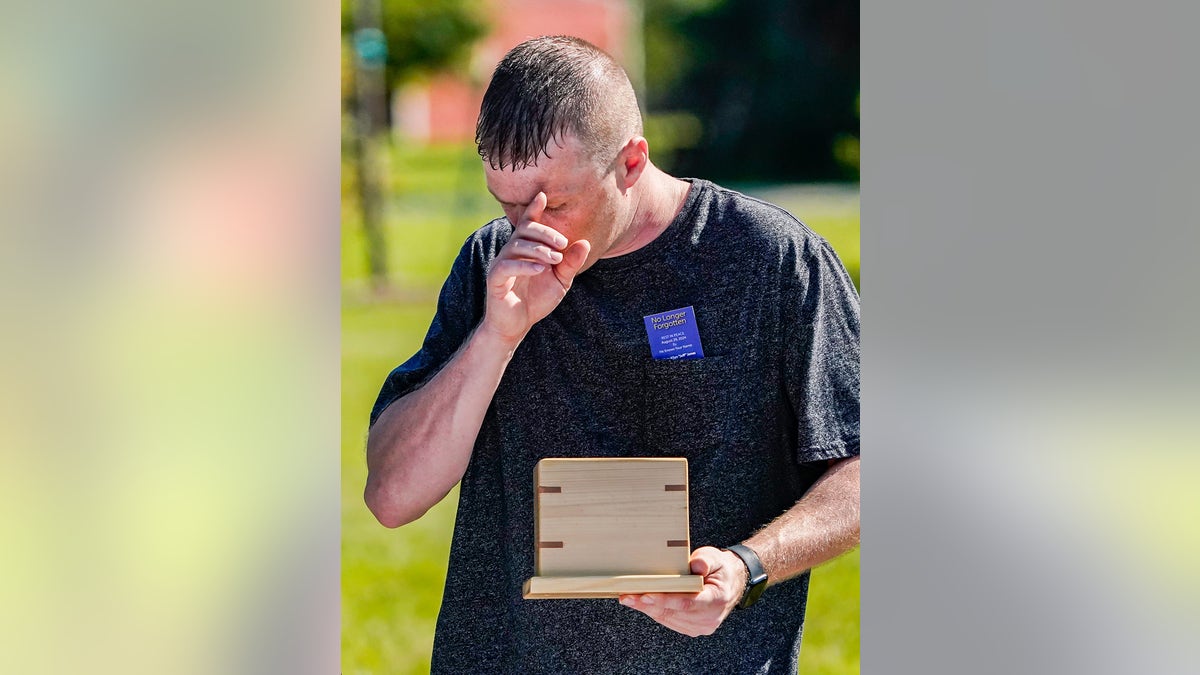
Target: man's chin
587	264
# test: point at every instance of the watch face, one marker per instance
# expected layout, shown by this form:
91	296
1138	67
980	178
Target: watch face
758	585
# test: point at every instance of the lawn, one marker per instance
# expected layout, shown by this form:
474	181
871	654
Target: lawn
392	579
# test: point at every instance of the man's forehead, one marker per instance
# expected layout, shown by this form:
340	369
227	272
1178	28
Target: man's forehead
513	187
560	168
520	186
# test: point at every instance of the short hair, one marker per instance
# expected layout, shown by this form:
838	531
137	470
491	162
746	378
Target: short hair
548	86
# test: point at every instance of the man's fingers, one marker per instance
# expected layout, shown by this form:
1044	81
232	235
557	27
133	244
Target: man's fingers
689	622
524	249
542	234
648	605
659	603
504	270
534	210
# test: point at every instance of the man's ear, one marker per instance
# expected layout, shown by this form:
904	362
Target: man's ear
632	161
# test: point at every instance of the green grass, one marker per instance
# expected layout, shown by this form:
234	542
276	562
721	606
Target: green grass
830	644
392	579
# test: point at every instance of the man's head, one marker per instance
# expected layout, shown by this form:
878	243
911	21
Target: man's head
561	118
547	88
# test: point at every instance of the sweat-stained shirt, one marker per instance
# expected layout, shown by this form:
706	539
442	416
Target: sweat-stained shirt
774	397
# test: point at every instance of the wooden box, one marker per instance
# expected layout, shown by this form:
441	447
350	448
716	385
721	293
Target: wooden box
604	527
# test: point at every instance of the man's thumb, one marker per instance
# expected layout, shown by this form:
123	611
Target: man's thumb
573	258
700	564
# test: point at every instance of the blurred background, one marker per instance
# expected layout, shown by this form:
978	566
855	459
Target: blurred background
758	96
169	374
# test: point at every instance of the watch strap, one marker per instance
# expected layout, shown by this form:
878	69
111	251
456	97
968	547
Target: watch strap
756	579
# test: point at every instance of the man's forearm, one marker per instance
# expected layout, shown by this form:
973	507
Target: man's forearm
821	526
419	447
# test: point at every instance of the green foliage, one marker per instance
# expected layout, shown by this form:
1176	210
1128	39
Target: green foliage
425	36
669	133
439	196
846	146
772	105
392	580
831	625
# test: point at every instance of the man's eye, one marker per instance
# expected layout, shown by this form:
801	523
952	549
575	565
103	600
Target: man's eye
556	207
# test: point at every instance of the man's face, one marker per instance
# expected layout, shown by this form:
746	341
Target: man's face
582	198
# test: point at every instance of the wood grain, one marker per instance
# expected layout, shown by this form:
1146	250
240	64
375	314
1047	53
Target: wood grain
614	516
551	588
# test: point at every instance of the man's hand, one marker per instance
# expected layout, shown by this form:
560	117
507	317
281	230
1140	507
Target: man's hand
700	614
531	275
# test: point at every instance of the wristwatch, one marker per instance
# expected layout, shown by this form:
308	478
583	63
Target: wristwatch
756	578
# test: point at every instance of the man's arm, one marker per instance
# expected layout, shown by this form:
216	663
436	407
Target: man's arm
419	447
821	526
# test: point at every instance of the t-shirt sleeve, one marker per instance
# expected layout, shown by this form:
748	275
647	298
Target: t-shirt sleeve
822	357
459	309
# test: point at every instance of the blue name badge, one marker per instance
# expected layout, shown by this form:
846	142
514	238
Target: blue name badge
674	335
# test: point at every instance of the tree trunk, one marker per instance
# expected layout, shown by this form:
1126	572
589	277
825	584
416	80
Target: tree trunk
371	114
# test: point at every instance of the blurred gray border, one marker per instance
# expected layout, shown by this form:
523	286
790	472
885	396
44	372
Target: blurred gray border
1029	223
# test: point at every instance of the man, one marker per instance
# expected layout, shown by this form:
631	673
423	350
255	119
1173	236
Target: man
538	349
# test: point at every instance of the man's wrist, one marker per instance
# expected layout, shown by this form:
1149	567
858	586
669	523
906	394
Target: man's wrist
756	575
745	576
495	339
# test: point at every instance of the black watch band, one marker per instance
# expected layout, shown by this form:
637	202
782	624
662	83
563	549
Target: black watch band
756	580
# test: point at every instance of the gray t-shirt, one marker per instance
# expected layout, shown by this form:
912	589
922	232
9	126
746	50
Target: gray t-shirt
775	395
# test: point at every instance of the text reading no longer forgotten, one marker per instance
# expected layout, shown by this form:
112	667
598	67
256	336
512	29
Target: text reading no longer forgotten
668	320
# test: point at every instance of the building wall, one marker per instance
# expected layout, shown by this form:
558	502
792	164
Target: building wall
445	108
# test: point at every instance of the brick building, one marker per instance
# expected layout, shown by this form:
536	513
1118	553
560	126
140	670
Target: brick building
445	108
